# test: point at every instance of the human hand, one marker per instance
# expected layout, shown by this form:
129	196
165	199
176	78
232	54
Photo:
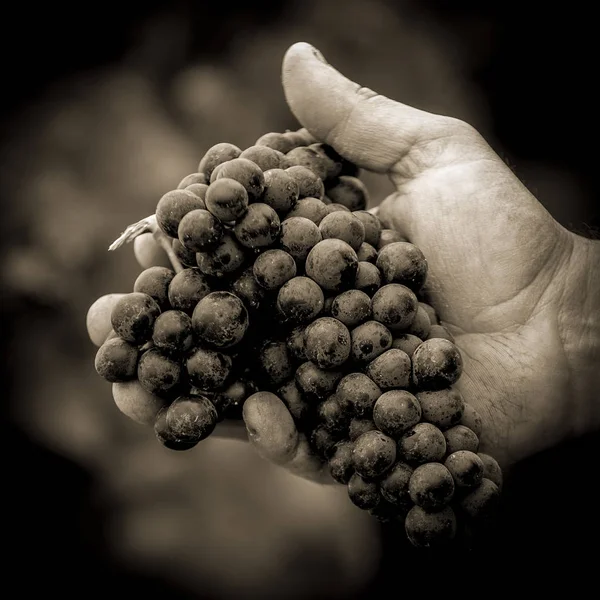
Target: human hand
511	284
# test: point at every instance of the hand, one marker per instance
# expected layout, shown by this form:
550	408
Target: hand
510	283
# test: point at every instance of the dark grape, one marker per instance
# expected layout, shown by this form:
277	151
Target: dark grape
281	190
357	394
394	487
227	199
159	374
331	160
433	318
368	278
395	306
406	342
276	362
229	402
300	300
323	441
364	494
373	454
208	369
259	227
467	469
460	437
430	529
264	157
295	344
395	412
116	360
173	332
372	226
344	226
292	397
390	370
437	364
491	469
186	256
422	443
192	178
273	268
369	340
200	190
327	342
421	325
217	155
350	192
173	206
482	501
351	307
308	157
187	288
133	317
248	289
309	184
404	263
332	416
155	282
246	172
444	408
333	265
276	141
200	230
226	257
310	208
440	332
220	319
298	237
333	207
431	486
190	419
358	426
366	253
341	466
315	383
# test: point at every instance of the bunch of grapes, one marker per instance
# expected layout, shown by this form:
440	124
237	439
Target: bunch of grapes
283	283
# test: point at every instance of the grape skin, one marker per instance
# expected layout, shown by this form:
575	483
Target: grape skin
116	360
159	374
133	317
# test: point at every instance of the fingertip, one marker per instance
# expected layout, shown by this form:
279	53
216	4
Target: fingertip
306	464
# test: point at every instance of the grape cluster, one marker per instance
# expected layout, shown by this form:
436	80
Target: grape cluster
287	284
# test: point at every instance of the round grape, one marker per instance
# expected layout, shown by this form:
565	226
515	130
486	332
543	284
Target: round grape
187	288
246	172
276	141
372	226
220	319
190	419
460	437
248	289
390	370
191	179
422	443
332	416
148	252
281	190
327	342
313	209
155	282
404	263
394	487
331	160
133	317
208	370
421	325
358	426
200	190
341	466
437	364
369	340
433	318
226	257
364	494
344	226
333	265
471	419
439	331
300	299
315	383
229	402
292	397
467	469
116	360
298	236
295	344
186	256
333	207
357	394
323	442
173	206
444	408
431	486
368	278
273	268
350	192
395	306
395	412
308	157
159	374
430	529
389	236
482	501
309	184
259	228
491	469
216	155
264	157
200	230
351	307
366	253
226	199
406	342
173	332
276	362
136	403
373	454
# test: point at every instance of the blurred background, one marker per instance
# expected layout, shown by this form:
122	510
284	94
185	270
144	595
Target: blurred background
107	107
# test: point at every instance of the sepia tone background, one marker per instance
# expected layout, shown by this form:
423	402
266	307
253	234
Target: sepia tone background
106	110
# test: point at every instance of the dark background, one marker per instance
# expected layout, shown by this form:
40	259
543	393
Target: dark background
524	76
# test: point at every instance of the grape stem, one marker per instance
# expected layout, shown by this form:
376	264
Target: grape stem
146	225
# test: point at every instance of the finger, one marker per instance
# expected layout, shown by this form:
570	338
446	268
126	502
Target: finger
368	129
98	318
149	253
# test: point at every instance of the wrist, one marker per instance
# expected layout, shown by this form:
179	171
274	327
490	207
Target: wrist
579	323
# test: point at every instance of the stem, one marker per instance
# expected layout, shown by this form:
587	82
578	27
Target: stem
167	246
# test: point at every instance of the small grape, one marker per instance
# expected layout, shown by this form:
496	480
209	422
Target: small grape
173	332
431	486
246	172
332	416
444	408
186	256
133	317
292	397
116	360
341	466
281	190
395	412
330	159
200	230
368	278
136	403
273	268
482	501
295	344
344	226
373	454
298	237
333	207
358	426
187	288
216	155
276	141
437	364
460	437
148	252
159	374
227	199
407	342
467	469
433	318
191	179
471	419
276	362
189	420
421	325
300	299
333	265
173	206
226	257
395	306
351	307
315	383
394	487
389	236
200	190
308	157
302	136
259	227
369	340
220	319
439	331
208	369
327	342
357	393
491	469
366	253
229	402
349	191
248	289
364	494
422	443
155	282
430	529
390	370
323	441
327	304
313	209
309	184
264	157
372	226
404	263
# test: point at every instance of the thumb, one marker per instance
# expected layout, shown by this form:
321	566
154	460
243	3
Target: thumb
366	128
